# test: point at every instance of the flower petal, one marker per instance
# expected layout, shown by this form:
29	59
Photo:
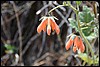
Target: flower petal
82	47
44	29
42	25
55	26
57	30
69	43
39	29
45	24
74	49
48	29
77	42
52	24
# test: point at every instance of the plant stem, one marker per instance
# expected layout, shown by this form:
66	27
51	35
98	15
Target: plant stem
82	35
56	8
19	31
74	9
79	28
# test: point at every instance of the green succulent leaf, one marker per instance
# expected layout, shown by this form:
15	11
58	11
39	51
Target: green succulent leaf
73	23
88	59
78	2
91	36
9	48
86	15
86	30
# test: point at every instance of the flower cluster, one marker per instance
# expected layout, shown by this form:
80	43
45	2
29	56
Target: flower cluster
78	44
50	23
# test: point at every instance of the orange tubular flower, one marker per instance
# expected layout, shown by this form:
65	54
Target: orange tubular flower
78	44
50	23
48	29
82	47
74	49
69	43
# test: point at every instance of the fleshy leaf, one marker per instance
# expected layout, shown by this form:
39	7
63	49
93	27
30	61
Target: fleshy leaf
88	59
73	23
78	2
86	31
86	15
91	36
9	48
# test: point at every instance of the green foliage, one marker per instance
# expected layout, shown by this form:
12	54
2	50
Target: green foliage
73	23
78	2
89	29
86	30
10	48
88	59
91	36
86	16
